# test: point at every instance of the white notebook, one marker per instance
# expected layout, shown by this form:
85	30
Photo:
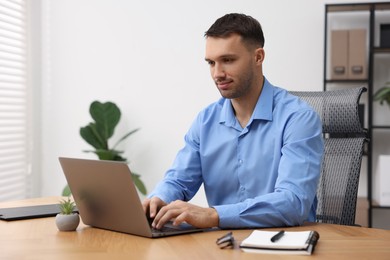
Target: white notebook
291	242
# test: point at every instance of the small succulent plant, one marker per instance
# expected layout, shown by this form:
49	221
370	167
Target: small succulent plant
67	206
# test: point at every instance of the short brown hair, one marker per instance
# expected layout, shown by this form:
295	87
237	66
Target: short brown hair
244	25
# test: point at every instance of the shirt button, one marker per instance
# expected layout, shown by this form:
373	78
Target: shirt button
240	161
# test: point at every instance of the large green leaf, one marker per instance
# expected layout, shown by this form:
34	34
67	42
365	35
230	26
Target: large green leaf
106	116
90	134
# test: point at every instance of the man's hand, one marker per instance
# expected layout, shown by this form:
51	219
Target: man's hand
180	211
152	206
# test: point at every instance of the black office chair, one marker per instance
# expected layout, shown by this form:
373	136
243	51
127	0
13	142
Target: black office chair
344	140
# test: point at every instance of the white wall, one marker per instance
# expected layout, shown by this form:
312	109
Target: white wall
148	57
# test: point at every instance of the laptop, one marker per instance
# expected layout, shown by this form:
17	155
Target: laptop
106	198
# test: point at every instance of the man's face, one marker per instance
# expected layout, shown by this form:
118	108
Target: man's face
232	65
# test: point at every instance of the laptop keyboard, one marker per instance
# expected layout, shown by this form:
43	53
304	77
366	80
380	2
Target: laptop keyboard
165	229
169	227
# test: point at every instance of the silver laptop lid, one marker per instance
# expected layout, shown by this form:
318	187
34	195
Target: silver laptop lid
105	195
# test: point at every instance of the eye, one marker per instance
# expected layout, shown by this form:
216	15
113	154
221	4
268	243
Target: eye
210	62
228	60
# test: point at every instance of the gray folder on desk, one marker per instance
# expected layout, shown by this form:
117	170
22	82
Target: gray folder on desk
28	212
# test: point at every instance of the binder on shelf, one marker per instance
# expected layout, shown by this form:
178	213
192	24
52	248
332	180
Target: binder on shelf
339	54
291	242
349	54
357	57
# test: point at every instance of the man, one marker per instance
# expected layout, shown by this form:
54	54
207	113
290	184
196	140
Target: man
257	150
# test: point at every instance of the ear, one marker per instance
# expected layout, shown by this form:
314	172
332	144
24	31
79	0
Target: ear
259	55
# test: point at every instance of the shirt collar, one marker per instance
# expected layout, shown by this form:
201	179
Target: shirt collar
262	111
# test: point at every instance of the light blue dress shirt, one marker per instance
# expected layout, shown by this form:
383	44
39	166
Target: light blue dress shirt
263	175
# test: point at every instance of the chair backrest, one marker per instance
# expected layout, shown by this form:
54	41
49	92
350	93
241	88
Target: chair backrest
344	140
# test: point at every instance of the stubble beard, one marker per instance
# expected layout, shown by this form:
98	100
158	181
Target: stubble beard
242	87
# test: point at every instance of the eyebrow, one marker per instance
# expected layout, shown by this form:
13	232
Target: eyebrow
222	57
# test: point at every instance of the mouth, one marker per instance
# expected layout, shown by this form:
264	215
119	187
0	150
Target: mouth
223	85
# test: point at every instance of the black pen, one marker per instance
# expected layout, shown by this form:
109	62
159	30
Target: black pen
277	236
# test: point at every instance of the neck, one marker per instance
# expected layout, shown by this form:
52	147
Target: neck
244	106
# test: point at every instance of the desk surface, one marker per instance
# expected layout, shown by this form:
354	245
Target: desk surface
40	239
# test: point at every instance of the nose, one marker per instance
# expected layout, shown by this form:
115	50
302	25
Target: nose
218	71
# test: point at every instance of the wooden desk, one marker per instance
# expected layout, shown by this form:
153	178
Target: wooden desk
40	239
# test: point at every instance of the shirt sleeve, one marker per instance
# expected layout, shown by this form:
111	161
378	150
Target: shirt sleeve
184	178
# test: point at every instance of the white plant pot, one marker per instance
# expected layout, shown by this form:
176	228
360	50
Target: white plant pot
67	222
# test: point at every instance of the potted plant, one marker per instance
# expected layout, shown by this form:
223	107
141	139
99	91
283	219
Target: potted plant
67	219
383	94
106	116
